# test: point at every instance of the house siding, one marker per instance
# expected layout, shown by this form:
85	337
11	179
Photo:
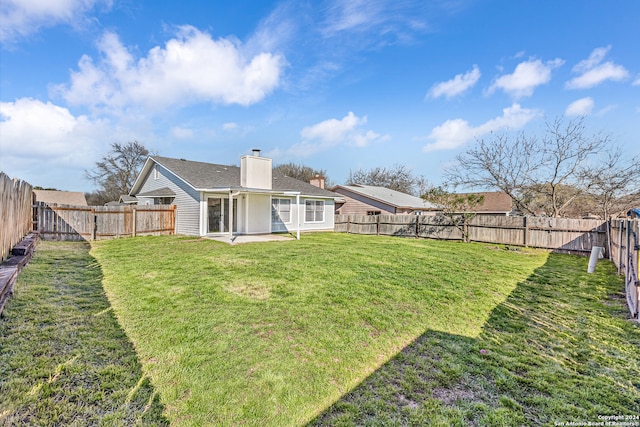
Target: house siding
329	214
187	199
356	204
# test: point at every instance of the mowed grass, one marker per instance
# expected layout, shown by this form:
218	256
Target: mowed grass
64	360
559	351
276	333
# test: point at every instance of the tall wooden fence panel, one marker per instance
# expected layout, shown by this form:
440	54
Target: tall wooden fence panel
62	222
625	245
560	234
16	197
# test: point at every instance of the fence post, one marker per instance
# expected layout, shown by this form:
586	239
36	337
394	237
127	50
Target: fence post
620	223
94	229
378	225
526	231
133	222
174	219
627	275
348	224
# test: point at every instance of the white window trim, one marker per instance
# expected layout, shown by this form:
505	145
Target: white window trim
323	211
156	173
290	209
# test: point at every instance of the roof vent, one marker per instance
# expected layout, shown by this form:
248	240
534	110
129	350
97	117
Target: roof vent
256	152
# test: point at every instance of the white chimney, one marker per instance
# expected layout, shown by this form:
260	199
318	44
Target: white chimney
255	171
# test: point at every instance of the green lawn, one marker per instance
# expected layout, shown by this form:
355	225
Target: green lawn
365	330
64	360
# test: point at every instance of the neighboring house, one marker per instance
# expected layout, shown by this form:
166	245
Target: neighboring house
54	197
371	200
494	203
215	199
127	200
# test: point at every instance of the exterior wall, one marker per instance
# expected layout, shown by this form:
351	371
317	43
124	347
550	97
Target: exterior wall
356	204
258	214
187	199
329	215
280	226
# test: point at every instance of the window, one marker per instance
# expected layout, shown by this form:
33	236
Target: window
280	210
156	174
314	211
163	200
373	212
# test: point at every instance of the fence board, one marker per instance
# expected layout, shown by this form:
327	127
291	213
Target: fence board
16	197
625	245
560	234
63	222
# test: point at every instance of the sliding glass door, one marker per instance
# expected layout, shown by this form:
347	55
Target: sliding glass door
218	214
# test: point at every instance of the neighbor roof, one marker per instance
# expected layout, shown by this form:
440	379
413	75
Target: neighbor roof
494	201
388	196
209	176
54	197
160	192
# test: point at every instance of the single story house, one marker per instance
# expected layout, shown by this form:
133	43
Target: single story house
55	197
214	199
372	200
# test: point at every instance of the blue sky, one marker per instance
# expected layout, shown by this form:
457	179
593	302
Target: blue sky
336	85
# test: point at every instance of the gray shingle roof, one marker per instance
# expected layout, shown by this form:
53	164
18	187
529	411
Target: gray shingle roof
160	192
209	176
387	196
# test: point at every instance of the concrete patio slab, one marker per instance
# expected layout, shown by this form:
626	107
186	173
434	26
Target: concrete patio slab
251	238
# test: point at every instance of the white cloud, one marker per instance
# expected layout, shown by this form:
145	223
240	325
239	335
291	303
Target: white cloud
333	132
592	71
30	127
35	134
375	22
581	107
527	76
353	14
459	84
181	132
454	133
192	67
636	82
606	110
230	126
21	18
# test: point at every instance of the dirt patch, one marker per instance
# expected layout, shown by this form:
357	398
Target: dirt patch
450	396
252	290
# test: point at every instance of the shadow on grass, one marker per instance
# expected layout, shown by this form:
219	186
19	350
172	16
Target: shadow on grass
559	349
64	359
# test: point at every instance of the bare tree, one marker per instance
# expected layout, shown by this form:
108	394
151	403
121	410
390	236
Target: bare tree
459	209
528	168
116	172
399	178
302	172
615	183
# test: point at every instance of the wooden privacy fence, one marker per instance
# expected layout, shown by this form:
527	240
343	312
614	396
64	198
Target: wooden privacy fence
16	198
63	222
625	244
560	234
